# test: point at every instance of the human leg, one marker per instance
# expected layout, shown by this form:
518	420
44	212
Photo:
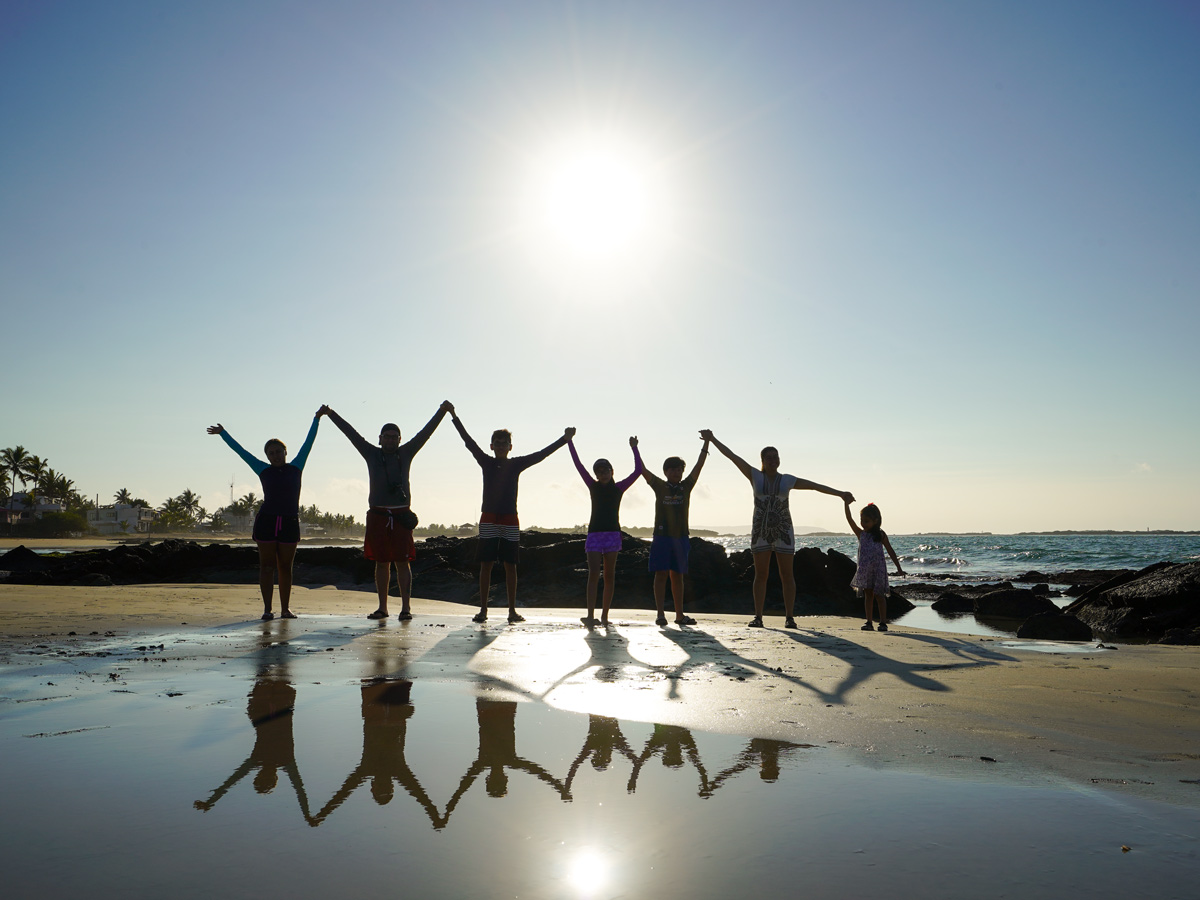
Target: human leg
510	586
610	583
383	579
266	575
485	585
285	555
868	608
881	602
660	597
677	596
762	568
785	561
595	561
404	580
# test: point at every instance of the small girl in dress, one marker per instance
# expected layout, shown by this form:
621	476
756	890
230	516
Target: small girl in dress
871	579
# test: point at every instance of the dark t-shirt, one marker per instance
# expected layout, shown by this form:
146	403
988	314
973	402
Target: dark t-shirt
671	505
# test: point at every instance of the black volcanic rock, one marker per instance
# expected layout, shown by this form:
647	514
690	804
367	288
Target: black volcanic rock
1055	626
1013	604
1159	602
553	572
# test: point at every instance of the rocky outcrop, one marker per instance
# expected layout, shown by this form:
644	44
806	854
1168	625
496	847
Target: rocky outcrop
1055	626
553	572
1013	603
1161	603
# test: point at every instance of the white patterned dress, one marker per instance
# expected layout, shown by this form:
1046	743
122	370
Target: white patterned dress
772	525
872	567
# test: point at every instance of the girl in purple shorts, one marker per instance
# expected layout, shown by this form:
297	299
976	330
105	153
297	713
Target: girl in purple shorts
604	529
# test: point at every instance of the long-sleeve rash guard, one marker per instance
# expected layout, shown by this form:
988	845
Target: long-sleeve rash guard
280	484
500	475
388	472
606	498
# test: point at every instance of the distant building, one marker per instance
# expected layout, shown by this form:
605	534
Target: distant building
120	519
19	510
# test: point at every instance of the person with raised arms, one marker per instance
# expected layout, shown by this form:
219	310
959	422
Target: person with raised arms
390	519
604	528
771	530
499	528
671	544
277	523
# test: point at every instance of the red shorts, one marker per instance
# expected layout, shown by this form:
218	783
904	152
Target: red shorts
387	540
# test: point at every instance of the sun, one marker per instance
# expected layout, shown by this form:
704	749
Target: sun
594	199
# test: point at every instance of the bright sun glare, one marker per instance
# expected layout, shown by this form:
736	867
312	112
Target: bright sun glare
594	199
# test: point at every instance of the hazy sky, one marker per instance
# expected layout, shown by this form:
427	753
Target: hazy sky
941	254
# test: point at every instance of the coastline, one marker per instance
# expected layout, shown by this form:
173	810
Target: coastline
1121	718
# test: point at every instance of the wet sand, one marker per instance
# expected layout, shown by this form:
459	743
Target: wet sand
1123	718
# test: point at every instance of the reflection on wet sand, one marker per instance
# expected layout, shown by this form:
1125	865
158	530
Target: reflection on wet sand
387	708
270	706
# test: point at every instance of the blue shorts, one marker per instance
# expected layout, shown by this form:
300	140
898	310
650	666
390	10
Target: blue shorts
668	554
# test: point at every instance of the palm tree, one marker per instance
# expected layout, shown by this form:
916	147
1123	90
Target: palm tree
35	471
123	497
14	460
190	503
250	503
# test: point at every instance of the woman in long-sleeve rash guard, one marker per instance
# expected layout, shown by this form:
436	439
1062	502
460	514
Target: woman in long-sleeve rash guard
604	528
277	525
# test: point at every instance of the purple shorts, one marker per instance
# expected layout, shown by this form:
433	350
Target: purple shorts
602	542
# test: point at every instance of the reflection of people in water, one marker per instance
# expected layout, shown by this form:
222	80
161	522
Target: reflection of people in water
498	753
270	708
672	742
603	737
762	751
386	708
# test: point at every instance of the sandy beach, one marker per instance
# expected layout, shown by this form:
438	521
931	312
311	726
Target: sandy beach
1123	717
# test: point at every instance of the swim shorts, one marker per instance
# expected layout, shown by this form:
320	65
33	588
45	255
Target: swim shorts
499	538
387	540
270	529
602	542
668	554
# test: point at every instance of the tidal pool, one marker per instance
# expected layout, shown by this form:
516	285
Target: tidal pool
290	774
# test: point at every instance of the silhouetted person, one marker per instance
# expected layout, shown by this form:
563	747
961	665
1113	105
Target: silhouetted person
390	519
498	753
386	709
603	737
277	523
269	707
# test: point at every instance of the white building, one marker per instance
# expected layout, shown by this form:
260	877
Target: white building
120	519
19	510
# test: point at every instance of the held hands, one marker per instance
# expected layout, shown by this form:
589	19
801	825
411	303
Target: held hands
216	429
707	434
568	433
847	497
447	406
324	410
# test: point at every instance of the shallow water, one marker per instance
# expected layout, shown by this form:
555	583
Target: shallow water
279	774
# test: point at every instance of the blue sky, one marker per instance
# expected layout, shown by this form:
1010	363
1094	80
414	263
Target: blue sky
941	254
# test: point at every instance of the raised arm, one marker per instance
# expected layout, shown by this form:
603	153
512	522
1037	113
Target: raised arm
583	472
638	468
743	466
534	458
850	518
360	443
419	439
302	456
479	455
805	485
257	465
694	475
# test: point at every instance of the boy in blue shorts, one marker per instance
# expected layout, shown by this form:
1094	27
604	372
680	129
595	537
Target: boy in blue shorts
670	545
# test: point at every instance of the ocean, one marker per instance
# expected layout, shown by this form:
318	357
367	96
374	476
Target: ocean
996	557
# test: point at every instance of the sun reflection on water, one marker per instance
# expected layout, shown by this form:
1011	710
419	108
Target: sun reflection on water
588	872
